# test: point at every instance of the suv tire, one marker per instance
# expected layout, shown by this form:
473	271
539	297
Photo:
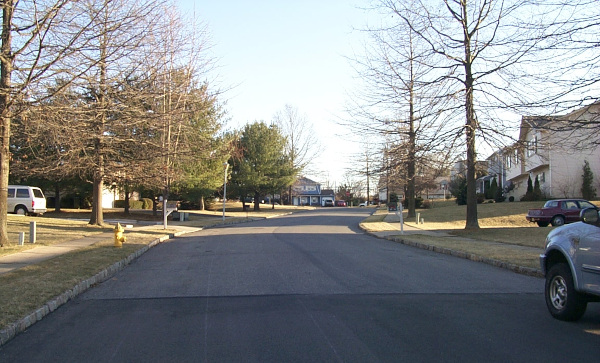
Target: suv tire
563	301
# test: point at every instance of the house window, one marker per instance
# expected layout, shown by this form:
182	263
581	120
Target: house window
532	146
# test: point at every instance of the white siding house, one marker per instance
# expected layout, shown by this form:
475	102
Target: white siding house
554	151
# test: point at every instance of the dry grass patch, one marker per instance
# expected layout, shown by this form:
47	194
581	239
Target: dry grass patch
49	231
505	234
498	251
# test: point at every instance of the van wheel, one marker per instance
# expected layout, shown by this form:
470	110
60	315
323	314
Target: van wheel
21	210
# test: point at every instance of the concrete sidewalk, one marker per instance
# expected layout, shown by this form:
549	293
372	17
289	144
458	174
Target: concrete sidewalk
393	228
41	253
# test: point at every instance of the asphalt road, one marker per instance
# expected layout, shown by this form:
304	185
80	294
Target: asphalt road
309	287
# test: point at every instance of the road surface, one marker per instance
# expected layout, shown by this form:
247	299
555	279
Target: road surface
308	287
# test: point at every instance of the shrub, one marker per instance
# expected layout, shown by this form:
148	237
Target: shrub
75	201
499	195
458	188
480	198
418	203
146	203
119	203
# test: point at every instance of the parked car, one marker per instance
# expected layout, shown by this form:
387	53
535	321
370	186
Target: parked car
558	212
340	203
364	204
328	203
571	265
25	200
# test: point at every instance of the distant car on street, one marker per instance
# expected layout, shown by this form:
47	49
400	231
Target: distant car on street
558	212
571	264
364	204
340	203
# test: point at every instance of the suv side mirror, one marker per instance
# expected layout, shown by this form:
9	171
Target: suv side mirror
589	215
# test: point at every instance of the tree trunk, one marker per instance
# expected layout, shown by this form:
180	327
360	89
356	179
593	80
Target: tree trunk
6	60
97	217
470	128
256	201
57	197
411	167
126	198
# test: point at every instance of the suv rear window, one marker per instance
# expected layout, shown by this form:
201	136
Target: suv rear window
38	193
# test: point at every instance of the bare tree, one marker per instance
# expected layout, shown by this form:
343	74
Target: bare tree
144	117
480	49
301	144
31	53
399	101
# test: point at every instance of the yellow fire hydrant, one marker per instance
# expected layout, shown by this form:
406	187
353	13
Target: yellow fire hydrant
119	237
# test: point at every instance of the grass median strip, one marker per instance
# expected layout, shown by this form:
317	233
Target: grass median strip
511	254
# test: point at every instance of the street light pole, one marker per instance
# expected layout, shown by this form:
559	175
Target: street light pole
225	165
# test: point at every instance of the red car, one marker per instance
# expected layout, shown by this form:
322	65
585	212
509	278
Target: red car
558	212
340	203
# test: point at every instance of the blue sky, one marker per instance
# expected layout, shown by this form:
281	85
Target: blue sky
275	53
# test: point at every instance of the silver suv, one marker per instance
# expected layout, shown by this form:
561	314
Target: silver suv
571	264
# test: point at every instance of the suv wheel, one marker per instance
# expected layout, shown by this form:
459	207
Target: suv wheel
564	303
558	221
21	210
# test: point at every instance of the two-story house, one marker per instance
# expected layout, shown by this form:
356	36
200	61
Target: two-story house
309	192
554	149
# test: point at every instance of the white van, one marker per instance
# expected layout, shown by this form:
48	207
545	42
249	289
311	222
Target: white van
26	200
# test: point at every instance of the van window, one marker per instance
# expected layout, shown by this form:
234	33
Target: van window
11	192
38	193
22	193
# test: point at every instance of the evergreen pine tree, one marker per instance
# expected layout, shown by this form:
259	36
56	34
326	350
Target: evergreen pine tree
529	193
587	188
493	189
537	191
499	196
